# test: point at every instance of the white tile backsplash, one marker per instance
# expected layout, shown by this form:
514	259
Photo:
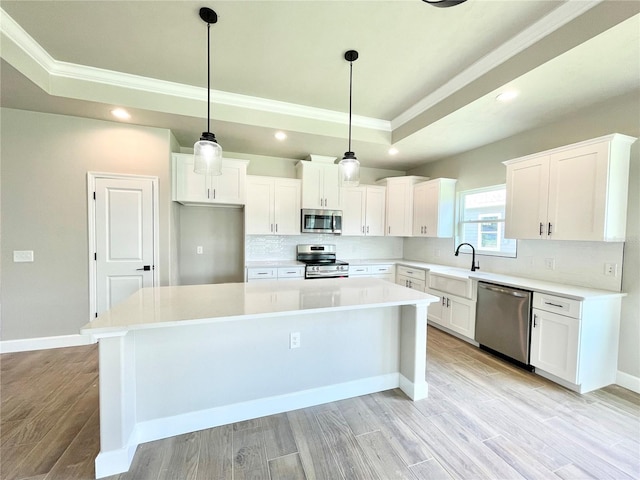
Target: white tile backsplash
274	247
576	263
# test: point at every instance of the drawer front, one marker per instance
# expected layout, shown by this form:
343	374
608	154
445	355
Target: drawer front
454	286
358	270
381	269
291	272
416	273
554	304
255	273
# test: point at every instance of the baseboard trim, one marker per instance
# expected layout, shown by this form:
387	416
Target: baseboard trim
157	429
628	381
43	343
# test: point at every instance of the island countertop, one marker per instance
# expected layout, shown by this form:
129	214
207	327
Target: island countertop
173	306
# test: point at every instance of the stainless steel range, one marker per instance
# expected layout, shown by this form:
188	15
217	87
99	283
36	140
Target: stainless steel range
321	262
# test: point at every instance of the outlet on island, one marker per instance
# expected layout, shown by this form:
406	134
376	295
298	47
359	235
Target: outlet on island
294	340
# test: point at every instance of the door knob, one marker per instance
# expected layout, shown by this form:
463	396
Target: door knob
145	268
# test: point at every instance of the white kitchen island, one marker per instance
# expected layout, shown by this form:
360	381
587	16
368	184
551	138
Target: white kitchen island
180	359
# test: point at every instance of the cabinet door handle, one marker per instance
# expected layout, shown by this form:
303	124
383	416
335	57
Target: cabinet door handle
448	303
535	320
389	229
549	230
272	227
276	228
443	301
362	228
208	193
541	226
367	228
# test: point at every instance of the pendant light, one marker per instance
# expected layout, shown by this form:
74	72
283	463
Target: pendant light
206	152
444	3
349	165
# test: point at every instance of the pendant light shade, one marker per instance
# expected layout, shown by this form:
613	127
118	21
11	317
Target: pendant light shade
350	170
207	155
207	152
444	3
349	165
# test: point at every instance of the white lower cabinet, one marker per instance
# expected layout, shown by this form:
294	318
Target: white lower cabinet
456	310
575	343
554	344
454	313
275	273
383	271
410	277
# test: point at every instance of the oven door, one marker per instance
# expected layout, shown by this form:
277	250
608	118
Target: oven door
321	221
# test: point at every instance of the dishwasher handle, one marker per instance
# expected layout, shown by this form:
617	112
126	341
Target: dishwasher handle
502	290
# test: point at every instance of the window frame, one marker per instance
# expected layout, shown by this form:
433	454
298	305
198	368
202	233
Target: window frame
461	223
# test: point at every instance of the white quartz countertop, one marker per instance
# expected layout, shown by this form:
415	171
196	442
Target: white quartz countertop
174	306
542	286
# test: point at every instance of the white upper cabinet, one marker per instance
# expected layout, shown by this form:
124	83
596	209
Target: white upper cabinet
190	187
577	192
433	208
273	206
320	184
399	212
363	210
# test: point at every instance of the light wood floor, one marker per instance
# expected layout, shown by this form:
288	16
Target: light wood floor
483	419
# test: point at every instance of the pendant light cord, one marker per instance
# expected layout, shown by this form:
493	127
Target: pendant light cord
208	77
350	95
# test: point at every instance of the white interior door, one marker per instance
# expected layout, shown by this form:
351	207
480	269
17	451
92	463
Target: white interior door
124	238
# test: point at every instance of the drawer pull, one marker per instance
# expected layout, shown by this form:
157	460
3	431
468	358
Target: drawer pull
554	304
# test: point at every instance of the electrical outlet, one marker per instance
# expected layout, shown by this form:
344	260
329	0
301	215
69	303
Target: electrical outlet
294	340
550	263
199	250
611	269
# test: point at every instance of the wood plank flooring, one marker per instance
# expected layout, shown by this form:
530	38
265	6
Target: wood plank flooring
483	419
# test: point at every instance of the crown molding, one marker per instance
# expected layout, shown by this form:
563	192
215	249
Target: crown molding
559	17
64	70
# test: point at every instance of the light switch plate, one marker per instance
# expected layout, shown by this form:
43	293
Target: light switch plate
20	256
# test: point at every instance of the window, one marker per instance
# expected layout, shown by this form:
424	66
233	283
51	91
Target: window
481	221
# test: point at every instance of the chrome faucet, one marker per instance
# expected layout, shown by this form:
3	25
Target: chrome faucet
474	267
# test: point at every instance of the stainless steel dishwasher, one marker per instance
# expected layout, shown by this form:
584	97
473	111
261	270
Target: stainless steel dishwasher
503	321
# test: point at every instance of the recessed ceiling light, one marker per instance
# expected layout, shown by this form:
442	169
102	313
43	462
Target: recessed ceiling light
280	135
120	113
507	96
393	151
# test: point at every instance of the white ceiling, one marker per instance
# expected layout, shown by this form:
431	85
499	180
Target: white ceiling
425	82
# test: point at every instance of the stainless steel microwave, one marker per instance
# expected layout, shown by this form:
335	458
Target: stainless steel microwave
321	221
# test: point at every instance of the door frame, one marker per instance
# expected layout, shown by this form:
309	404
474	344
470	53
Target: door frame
91	226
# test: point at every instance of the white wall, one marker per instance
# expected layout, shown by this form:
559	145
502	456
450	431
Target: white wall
580	263
45	160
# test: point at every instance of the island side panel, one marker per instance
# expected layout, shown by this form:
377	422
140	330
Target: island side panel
413	351
199	376
117	404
